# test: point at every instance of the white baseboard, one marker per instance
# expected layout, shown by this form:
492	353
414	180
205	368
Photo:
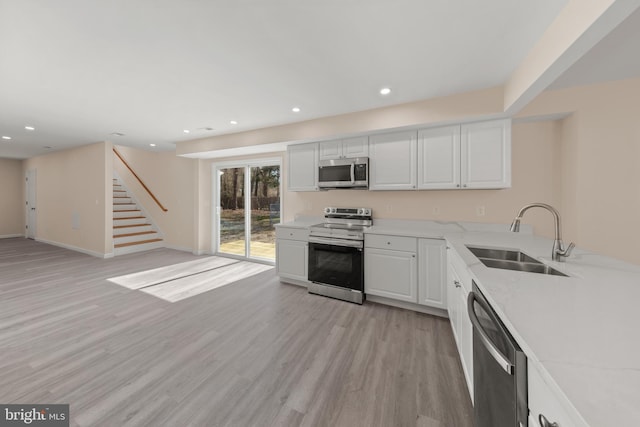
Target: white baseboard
75	248
408	305
179	248
10	236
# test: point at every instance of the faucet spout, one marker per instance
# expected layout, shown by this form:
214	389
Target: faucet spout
559	251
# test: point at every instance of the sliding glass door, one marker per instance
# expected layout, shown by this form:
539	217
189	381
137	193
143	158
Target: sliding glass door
248	208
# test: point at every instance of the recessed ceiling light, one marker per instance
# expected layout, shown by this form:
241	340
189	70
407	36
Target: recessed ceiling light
233	122
6	137
153	145
296	109
29	128
186	131
385	91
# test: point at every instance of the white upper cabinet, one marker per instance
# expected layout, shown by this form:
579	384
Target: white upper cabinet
486	154
344	148
392	161
302	167
439	158
471	156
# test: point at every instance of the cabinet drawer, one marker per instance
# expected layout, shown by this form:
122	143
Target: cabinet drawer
394	243
292	233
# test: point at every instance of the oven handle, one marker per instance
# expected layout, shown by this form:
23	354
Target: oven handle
484	338
333	242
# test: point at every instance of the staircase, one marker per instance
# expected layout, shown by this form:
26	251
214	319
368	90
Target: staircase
132	230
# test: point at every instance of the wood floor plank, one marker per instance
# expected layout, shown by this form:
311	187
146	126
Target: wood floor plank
254	353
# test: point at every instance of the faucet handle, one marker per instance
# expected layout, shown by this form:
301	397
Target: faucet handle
566	252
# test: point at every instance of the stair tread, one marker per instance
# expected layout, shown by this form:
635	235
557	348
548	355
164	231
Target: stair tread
141	242
128	217
131	225
127	210
121	204
139	233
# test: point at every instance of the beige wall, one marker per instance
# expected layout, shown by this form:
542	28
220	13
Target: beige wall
466	106
535	150
72	185
600	168
173	181
11	198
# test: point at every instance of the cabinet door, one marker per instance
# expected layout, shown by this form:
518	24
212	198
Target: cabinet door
465	339
439	158
486	154
302	167
453	282
356	147
544	401
392	160
330	149
391	274
292	258
431	273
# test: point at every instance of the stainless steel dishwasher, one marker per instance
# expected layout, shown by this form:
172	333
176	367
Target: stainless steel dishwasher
499	369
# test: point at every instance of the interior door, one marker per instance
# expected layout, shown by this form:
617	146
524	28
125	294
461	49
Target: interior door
31	216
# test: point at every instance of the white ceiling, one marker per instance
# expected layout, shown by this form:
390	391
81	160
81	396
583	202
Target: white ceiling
615	57
80	70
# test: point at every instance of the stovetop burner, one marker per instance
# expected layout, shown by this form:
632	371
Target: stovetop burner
343	223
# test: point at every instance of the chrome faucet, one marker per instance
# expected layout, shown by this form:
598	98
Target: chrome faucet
559	252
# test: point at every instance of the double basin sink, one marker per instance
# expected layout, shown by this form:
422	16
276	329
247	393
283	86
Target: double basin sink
512	260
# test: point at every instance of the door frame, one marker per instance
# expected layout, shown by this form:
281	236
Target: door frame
216	208
31	186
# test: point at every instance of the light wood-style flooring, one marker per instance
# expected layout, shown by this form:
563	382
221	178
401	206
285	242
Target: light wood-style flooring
253	353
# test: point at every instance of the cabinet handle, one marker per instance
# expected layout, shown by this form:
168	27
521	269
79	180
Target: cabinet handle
388	243
544	422
413	256
458	185
457	283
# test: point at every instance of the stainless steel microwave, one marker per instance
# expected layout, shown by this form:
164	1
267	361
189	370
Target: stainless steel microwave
344	173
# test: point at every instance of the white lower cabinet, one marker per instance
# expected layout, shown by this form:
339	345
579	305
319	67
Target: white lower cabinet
391	274
458	288
432	267
292	253
544	404
390	267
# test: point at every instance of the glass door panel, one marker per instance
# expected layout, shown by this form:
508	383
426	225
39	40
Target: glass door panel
265	210
232	213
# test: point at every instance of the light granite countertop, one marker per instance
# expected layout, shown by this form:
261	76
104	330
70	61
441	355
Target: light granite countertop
580	330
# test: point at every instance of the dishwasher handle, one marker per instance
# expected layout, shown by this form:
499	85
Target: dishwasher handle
482	335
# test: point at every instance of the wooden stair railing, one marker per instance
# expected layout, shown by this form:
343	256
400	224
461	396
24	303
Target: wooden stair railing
140	180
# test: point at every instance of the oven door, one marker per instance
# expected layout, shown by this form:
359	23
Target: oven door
336	264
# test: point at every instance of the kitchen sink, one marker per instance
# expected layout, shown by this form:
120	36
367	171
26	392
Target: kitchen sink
529	267
503	254
512	260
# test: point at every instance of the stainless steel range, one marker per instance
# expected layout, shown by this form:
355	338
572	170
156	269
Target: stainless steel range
336	254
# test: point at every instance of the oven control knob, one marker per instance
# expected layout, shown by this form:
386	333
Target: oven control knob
327	210
334	210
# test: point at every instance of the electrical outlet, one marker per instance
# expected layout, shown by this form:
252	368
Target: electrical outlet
480	211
